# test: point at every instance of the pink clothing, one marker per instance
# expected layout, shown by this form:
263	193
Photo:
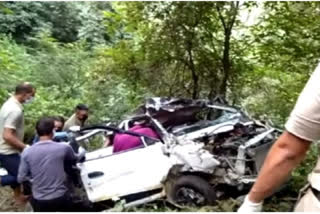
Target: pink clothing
123	142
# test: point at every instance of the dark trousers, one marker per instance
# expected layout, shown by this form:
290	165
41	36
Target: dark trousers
11	164
61	204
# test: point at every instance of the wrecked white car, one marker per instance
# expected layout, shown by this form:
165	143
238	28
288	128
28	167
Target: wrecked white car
205	149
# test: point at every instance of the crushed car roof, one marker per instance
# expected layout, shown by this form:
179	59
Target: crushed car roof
175	111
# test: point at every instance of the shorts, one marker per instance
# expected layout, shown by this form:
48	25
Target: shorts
11	164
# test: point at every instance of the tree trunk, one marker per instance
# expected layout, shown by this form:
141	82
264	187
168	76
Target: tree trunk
195	77
226	47
226	65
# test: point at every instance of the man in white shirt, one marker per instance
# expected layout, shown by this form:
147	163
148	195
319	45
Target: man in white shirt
11	136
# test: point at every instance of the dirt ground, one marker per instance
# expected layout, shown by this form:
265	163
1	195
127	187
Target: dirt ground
281	202
7	203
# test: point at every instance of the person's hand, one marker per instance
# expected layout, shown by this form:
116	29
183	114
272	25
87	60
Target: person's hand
249	206
26	146
82	156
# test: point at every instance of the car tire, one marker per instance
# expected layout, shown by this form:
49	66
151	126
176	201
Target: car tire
190	190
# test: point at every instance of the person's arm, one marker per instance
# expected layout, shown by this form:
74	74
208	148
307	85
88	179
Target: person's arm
70	156
107	142
9	135
284	156
71	159
24	169
10	125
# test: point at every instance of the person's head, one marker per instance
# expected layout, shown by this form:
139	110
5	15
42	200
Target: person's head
58	123
82	112
45	127
25	92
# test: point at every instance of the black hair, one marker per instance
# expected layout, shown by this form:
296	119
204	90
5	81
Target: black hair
24	88
82	107
59	118
45	126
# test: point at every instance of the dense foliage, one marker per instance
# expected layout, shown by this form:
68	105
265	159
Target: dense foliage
113	55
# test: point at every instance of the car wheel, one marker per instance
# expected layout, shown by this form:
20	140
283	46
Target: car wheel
190	190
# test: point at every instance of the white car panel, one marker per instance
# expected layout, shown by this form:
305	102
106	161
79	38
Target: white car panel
125	173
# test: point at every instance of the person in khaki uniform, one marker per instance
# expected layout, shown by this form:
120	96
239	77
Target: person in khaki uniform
78	118
302	128
11	136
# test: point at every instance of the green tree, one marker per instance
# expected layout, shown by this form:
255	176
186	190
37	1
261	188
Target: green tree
284	52
187	46
64	21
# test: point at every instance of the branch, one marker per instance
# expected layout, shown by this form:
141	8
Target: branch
234	16
221	18
212	43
